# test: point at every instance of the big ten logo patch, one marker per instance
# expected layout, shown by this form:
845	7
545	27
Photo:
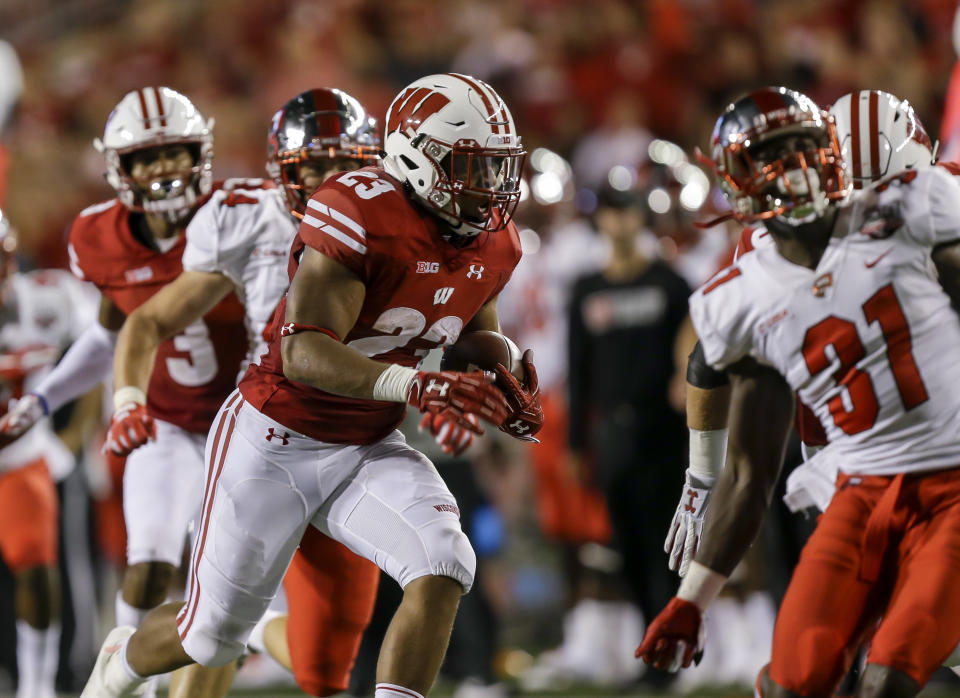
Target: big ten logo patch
428	267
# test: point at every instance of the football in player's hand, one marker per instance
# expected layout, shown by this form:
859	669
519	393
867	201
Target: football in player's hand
482	350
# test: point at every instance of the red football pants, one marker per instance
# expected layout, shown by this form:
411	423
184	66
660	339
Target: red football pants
886	546
28	517
330	596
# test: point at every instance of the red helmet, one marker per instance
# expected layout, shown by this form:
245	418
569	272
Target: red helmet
316	124
775	153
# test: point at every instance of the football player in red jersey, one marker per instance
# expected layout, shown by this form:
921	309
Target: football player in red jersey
158	149
239	241
387	264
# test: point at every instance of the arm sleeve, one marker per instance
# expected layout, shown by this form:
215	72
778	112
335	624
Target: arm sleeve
578	372
87	362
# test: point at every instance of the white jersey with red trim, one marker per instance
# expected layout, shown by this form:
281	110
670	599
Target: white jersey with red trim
866	339
44	312
244	232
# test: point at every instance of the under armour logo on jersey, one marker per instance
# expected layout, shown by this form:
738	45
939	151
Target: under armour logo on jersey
284	437
442	295
286	329
441	388
693	494
475	269
518	427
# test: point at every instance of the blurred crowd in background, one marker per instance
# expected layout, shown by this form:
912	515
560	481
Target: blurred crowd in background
611	97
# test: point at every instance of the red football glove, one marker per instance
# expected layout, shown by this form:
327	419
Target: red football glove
675	637
457	395
526	414
130	428
450	437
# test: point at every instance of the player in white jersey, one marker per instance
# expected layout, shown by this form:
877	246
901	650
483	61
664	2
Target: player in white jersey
879	135
41	313
843	312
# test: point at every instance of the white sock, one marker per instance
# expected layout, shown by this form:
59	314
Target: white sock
391	690
127	669
118	676
127	614
51	660
151	690
31	645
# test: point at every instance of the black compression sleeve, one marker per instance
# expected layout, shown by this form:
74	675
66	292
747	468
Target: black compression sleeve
700	374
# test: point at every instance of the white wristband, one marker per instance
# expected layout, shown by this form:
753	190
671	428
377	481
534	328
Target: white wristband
127	394
701	585
708	450
394	383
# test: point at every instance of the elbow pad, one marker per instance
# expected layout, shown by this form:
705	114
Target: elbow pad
701	375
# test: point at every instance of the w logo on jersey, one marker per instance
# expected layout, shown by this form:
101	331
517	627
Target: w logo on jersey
442	295
413	106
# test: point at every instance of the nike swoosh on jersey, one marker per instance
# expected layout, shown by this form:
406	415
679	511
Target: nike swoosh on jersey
870	265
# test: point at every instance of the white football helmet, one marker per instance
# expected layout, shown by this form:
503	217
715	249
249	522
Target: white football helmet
879	135
452	140
151	117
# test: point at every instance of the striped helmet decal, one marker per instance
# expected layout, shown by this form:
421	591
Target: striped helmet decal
496	109
151	108
862	143
413	106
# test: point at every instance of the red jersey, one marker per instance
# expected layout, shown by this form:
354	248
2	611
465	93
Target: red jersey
420	293
195	370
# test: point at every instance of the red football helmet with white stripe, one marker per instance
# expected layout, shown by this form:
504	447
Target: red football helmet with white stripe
153	117
879	134
452	140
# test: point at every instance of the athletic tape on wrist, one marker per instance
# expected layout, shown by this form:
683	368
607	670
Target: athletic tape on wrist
708	450
127	394
701	585
393	385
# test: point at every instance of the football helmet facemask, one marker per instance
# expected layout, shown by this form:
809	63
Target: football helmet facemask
879	135
322	124
452	140
156	117
775	153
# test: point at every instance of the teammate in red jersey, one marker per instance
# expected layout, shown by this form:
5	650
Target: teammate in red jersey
158	150
394	261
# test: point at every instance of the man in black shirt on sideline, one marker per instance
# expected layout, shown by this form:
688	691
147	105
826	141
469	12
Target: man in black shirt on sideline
623	430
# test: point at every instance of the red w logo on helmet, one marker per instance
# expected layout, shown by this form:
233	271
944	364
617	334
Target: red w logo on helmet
413	106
